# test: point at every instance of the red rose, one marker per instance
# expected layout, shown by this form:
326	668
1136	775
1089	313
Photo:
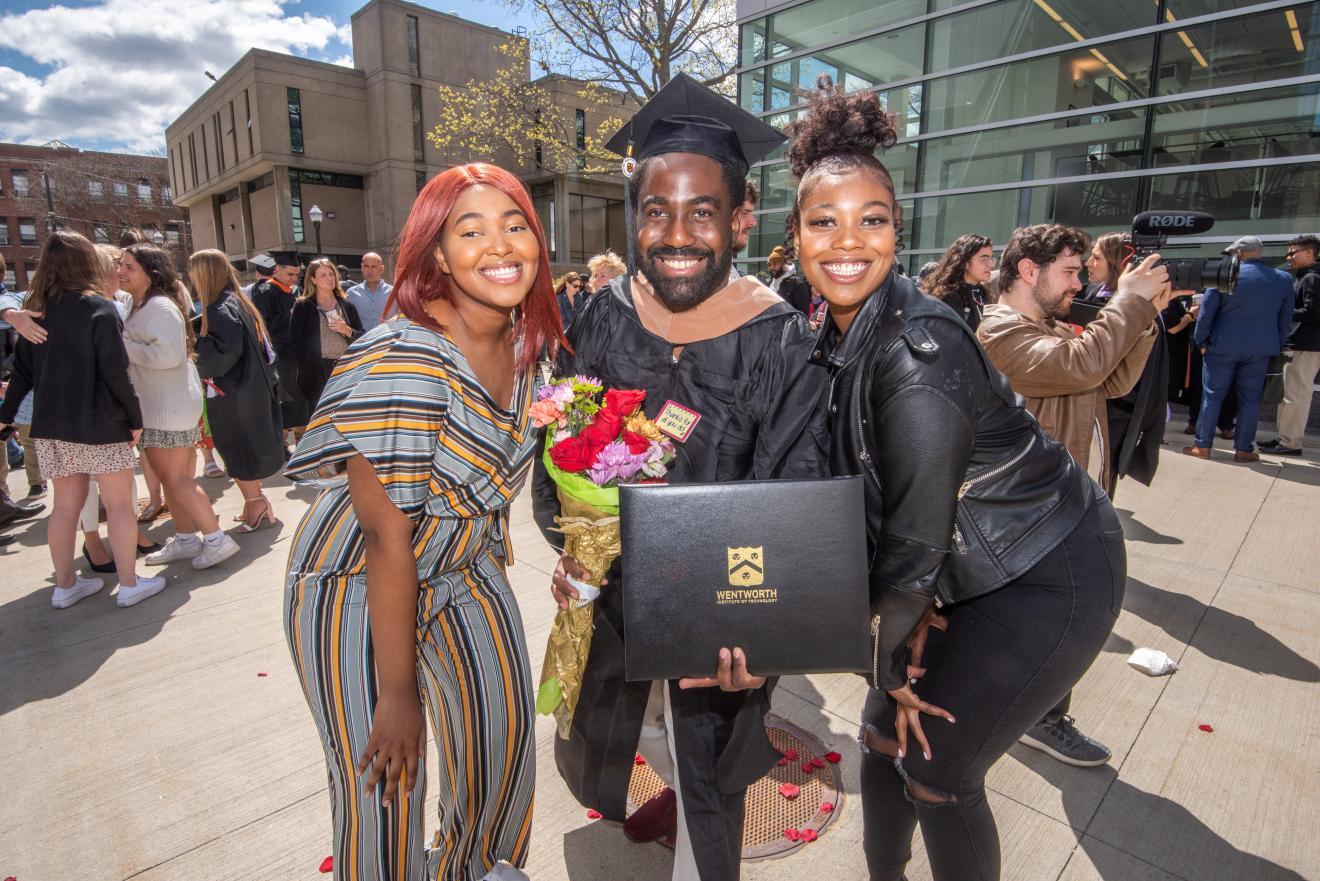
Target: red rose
809	835
790	754
790	791
826	807
593	814
624	401
792	835
636	443
808	768
327	865
603	430
817	762
833	758
572	454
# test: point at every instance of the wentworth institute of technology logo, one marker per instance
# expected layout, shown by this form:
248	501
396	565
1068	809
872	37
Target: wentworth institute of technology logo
746	567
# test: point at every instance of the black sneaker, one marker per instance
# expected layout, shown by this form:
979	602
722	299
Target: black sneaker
1061	739
37	491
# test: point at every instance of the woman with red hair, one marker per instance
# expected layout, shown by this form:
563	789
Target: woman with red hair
396	601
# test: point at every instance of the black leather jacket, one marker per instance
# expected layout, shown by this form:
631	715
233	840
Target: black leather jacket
964	491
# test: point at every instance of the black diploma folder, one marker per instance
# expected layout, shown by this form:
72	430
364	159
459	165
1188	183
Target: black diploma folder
777	567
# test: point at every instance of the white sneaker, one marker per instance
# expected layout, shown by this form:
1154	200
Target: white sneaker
505	872
82	588
217	553
174	550
146	588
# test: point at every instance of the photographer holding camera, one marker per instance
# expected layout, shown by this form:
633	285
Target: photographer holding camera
1238	335
1067	378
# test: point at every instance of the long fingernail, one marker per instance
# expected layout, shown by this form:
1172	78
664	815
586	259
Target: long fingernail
926	756
900	754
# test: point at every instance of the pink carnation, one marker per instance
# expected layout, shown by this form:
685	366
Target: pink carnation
546	412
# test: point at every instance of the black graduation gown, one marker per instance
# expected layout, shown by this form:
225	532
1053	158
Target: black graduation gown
275	306
245	417
760	403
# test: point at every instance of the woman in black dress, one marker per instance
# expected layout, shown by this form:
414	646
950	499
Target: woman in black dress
242	398
322	325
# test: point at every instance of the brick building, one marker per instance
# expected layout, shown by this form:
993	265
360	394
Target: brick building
56	186
277	134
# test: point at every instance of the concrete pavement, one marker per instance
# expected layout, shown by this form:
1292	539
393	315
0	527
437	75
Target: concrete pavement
143	744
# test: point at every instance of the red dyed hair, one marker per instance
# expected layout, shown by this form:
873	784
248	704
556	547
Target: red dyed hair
418	278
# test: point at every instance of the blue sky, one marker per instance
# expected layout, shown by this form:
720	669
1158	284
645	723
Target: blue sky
111	74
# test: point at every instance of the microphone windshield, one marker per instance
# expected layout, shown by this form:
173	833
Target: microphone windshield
1172	223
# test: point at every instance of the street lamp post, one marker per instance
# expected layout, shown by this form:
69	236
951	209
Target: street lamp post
316	215
156	238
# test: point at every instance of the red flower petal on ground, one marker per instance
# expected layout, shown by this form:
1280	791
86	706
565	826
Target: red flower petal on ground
827	807
790	754
833	758
638	760
792	834
783	762
790	791
327	865
810	835
263	675
808	768
817	762
593	814
1206	728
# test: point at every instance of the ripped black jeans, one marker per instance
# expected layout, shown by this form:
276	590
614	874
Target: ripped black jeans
1006	660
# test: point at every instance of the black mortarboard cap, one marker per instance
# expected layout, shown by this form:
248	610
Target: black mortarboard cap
285	258
686	117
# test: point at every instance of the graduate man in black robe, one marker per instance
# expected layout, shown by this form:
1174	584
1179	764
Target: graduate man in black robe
274	298
732	360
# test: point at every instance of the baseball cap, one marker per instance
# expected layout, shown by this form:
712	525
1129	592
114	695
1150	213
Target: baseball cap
1246	243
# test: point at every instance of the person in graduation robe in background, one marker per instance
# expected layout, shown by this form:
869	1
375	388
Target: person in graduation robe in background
733	359
274	299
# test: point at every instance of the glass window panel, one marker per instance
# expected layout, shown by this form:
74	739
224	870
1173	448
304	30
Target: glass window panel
753	42
1073	79
1238	50
769	232
751	91
1094	206
1246	201
823	22
4	231
20	180
1238	127
859	65
1008	28
27	230
1061	148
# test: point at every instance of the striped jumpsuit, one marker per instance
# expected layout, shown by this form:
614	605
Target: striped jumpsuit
405	399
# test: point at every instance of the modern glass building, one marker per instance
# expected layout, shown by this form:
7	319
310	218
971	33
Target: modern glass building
1082	112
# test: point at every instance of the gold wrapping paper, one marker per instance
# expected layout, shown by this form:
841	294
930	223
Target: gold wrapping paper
592	538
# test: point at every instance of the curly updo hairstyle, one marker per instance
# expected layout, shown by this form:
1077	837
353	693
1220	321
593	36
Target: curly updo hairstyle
839	134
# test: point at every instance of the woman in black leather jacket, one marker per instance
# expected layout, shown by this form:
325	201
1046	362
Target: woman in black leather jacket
978	523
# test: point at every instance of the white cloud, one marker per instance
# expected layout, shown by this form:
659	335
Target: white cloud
121	70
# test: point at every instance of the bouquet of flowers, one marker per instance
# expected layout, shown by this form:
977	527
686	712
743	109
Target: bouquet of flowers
595	440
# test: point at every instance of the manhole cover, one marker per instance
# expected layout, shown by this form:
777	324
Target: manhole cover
769	813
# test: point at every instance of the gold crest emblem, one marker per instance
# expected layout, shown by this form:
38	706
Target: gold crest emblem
746	567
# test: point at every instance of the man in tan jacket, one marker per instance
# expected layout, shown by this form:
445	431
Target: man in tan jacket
1066	378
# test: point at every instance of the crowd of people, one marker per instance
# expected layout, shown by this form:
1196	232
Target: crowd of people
989	417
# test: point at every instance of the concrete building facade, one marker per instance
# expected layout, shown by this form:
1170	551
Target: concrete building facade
278	134
99	195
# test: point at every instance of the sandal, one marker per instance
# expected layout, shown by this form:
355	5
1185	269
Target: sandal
151	510
213	470
265	518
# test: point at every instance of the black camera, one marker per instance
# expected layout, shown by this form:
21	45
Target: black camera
1151	229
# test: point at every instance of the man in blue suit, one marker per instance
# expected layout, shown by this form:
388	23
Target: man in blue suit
1238	335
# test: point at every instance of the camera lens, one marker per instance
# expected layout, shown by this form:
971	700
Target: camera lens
1199	273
